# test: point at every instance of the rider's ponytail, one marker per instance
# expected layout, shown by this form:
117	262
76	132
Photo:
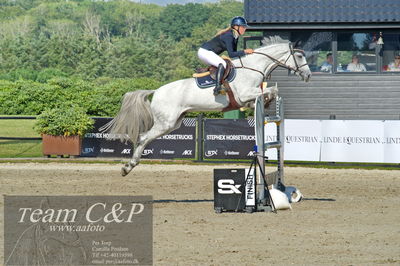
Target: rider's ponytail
234	31
223	31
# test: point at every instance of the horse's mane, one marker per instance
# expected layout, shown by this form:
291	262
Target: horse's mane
273	40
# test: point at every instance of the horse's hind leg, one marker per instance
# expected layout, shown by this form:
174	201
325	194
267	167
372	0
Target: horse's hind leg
145	139
156	131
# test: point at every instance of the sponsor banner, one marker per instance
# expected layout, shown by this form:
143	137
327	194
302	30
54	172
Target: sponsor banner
78	230
96	144
391	144
305	140
367	141
228	138
308	140
352	141
180	143
302	140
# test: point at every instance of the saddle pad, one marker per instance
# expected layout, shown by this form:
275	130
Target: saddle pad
207	81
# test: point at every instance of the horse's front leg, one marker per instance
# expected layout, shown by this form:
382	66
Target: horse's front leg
269	93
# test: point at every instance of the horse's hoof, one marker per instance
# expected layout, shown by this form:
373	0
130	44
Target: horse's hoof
124	171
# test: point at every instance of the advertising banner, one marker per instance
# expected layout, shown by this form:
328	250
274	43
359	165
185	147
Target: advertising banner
391	142
367	141
228	138
96	144
305	140
180	143
302	140
352	141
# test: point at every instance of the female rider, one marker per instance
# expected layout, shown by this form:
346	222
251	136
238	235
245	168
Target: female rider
225	40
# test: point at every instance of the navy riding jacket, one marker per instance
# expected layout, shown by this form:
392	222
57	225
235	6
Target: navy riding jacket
224	42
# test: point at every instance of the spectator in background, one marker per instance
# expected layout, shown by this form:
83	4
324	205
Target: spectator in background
327	65
395	66
355	65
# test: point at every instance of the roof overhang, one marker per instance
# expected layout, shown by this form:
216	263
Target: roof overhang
320	26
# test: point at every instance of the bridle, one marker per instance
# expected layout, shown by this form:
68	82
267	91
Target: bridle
277	62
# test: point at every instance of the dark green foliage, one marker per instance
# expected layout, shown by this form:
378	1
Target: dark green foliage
118	39
98	98
105	99
49	73
64	121
179	21
90	53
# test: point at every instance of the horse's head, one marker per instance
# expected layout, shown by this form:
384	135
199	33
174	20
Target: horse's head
297	62
284	55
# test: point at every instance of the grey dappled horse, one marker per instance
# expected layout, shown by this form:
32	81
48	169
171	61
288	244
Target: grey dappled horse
142	120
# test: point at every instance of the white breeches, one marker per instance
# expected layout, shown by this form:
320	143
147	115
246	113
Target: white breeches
210	58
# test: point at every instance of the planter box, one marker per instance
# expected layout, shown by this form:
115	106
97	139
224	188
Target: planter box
60	145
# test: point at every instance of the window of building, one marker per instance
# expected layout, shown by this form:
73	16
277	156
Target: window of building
391	53
252	40
318	49
340	52
356	52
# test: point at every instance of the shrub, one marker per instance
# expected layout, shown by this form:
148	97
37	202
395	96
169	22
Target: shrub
49	73
68	121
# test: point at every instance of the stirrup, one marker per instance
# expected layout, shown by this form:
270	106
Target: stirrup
221	90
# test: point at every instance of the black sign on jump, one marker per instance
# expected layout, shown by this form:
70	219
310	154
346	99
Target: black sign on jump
180	143
229	188
234	190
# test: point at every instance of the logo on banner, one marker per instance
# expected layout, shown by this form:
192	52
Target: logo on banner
105	150
88	150
211	153
227	186
147	152
251	154
187	152
231	153
126	151
167	152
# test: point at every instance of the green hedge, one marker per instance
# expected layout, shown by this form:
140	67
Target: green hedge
101	97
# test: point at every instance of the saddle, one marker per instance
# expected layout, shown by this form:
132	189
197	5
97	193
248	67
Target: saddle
205	77
212	70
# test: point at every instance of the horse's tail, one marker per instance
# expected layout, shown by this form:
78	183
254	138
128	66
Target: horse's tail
134	117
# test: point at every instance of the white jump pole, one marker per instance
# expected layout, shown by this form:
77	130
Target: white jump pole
259	114
261	119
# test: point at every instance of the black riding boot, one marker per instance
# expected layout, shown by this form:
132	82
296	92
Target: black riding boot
218	79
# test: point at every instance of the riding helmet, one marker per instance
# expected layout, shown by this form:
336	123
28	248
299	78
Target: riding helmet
239	21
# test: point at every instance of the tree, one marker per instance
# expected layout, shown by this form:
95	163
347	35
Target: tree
178	21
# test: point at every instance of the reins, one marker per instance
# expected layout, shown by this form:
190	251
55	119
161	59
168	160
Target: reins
277	62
